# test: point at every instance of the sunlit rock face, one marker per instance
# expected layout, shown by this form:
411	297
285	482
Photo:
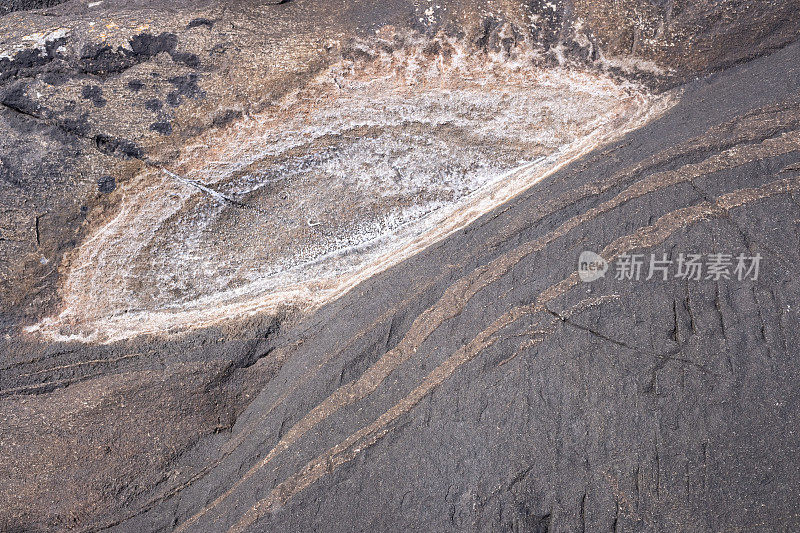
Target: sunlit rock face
384	152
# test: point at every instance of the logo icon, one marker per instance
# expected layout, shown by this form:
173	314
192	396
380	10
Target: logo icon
591	266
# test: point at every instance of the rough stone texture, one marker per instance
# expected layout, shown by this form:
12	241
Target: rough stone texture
170	70
477	385
21	5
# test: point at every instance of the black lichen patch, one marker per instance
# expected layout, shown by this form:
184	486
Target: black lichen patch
190	60
77	125
103	60
187	85
184	86
164	127
27	63
9	6
17	99
121	147
198	22
135	85
24	60
154	104
93	93
106	184
174	99
146	45
54	67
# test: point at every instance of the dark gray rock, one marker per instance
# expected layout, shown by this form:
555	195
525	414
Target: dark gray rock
511	405
10	6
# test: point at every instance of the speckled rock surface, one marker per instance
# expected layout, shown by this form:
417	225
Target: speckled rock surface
474	385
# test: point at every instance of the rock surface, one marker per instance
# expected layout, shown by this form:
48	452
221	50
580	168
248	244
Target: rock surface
476	385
